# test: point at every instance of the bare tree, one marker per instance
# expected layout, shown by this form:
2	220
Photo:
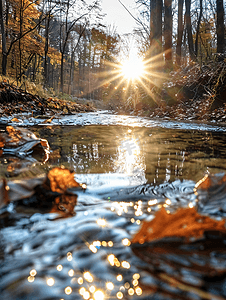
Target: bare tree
189	29
220	26
168	23
180	29
4	47
67	26
198	28
156	26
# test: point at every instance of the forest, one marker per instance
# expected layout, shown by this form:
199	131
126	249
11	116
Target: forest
63	46
125	200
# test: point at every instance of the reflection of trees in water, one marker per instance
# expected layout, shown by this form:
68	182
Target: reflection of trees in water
163	155
177	154
91	158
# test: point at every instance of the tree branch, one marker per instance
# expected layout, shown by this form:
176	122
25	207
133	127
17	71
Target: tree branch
138	21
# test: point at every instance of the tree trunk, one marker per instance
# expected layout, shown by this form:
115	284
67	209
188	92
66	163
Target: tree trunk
168	21
220	26
197	30
156	27
189	29
4	49
180	30
62	72
46	50
21	32
71	75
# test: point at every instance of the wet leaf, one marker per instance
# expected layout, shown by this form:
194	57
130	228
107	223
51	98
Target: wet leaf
14	134
45	192
186	222
15	120
210	192
18	189
21	141
210	181
61	179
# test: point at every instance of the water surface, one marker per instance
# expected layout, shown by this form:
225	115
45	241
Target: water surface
132	167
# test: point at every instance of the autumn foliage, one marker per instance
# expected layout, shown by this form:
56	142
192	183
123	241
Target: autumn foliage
61	179
49	193
186	222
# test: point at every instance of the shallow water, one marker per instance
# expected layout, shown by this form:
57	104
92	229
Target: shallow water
132	167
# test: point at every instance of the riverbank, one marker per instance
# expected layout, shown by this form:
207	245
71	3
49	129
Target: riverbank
193	93
14	100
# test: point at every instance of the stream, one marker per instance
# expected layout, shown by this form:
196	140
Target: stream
132	166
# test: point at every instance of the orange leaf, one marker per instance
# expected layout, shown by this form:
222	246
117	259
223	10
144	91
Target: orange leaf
186	222
14	134
61	179
15	120
2	142
209	181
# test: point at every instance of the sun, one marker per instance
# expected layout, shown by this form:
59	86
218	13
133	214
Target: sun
133	68
126	79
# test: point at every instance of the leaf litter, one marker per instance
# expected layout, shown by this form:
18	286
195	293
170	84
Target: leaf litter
14	100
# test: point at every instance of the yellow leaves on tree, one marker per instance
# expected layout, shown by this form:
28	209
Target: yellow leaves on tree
61	179
186	222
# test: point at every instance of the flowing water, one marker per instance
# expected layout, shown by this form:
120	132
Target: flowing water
132	166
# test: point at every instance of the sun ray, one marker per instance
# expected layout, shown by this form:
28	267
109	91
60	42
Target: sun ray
125	79
149	91
116	88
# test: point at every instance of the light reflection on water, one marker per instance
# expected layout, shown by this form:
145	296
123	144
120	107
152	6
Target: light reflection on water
130	159
152	155
130	173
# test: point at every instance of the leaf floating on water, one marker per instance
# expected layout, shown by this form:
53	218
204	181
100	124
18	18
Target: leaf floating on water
47	192
211	194
15	120
186	222
210	181
61	179
21	142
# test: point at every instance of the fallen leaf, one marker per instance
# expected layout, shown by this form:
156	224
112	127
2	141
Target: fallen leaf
49	192
15	120
65	203
209	181
2	142
14	141
49	120
186	222
14	134
61	179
